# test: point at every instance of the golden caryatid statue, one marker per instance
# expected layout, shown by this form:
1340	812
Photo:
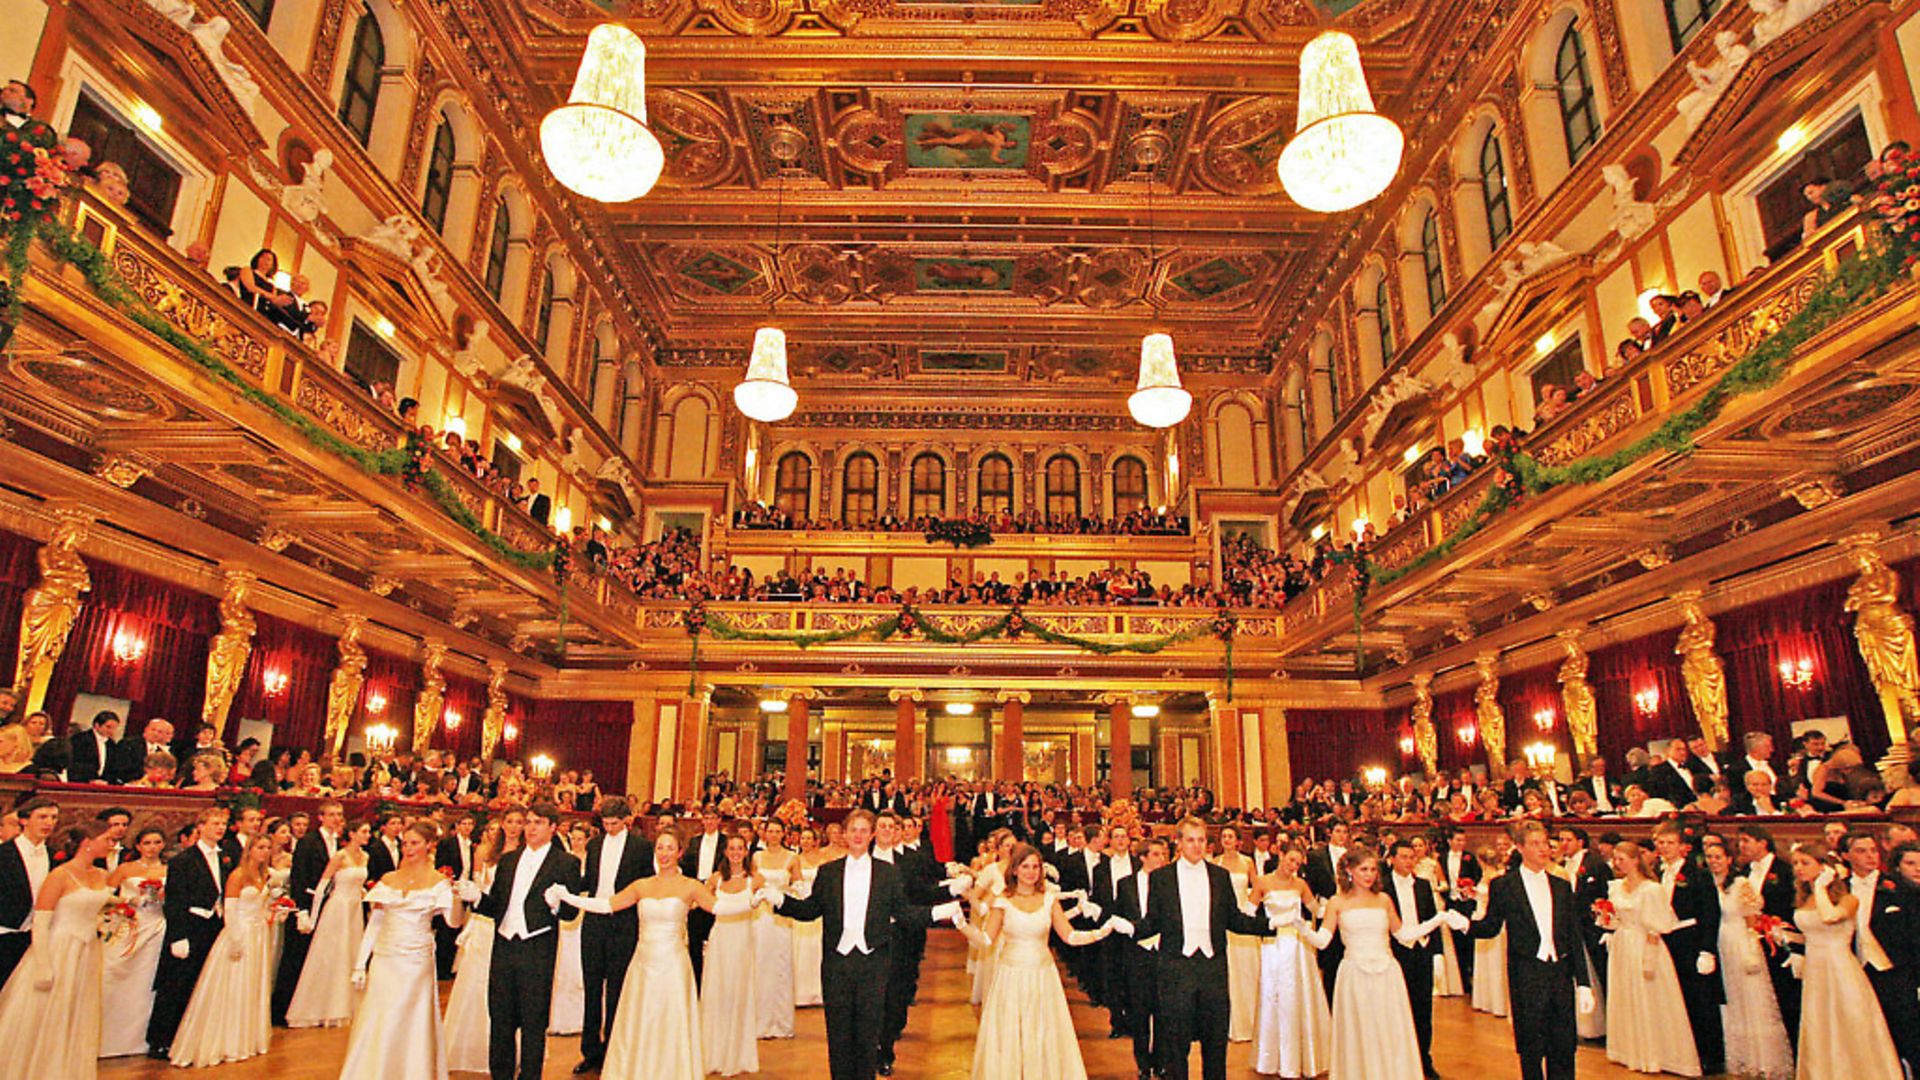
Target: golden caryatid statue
1576	697
494	724
1885	635
343	693
1700	667
1486	711
51	606
1424	739
433	689
228	651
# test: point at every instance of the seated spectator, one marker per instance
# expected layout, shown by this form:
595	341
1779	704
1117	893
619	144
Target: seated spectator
1640	332
1827	198
1624	354
1553	405
1711	289
1583	382
1692	306
157	772
1666	316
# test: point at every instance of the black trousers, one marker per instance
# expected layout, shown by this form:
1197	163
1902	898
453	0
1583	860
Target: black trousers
1119	983
853	991
1541	997
446	940
1704	994
699	925
12	948
286	978
606	948
1901	1008
903	984
1194	1005
173	985
1141	987
1416	967
519	998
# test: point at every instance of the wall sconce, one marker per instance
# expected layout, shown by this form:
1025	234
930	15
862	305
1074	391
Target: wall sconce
376	703
1543	719
1473	443
1406	746
1797	674
510	733
274	682
381	738
1541	755
128	647
541	766
1375	776
453	719
959	755
1466	734
1647	702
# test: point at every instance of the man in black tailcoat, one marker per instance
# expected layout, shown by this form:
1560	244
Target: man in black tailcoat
615	859
1694	941
310	858
1547	974
1413	899
196	882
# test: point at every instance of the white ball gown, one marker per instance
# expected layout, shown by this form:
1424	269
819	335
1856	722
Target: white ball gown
1489	964
1293	1025
656	1032
229	1018
773	962
324	995
1646	1014
1757	1043
126	992
468	1027
807	939
1243	970
396	1030
1026	1030
1373	1037
729	1014
994	882
1843	1036
567	1014
55	1034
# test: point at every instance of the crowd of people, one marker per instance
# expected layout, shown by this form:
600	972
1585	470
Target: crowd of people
1138	522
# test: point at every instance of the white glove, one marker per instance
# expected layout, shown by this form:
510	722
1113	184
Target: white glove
774	896
1797	964
303	922
1606	940
943	912
1121	926
555	893
1052	872
1090	909
1457	922
1825	879
959	884
180	949
360	978
41	942
468	892
1704	963
1077	894
1583	1000
955	869
959	920
1285	917
1318	937
1780	935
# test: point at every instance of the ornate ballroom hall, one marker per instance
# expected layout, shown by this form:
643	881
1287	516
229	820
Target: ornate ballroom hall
1376	390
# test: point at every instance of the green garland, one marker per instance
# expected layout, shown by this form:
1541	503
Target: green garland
109	287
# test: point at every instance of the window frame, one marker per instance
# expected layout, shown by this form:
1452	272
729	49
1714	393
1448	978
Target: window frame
1495	200
993	499
1681	36
436	198
934	488
1383	318
1575	94
1433	262
1128	499
868	492
543	313
366	58
786	490
1056	498
499	249
260	11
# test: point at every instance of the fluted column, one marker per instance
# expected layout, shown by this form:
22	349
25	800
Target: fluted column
1009	760
907	752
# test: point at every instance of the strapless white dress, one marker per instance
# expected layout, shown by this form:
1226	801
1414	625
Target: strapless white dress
656	1032
324	995
55	1034
1293	1029
567	1014
1373	1036
807	947
468	1026
229	1018
127	978
773	962
396	1031
1243	971
729	1014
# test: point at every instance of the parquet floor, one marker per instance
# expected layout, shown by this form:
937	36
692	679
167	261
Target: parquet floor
938	1044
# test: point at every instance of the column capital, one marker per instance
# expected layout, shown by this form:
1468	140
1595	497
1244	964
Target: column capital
1116	698
904	694
1024	697
1422	681
799	693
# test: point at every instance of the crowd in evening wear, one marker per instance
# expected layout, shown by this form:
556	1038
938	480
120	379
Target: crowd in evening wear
545	906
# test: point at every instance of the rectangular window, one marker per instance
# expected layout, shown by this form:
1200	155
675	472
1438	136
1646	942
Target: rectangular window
370	361
1839	156
1558	369
154	182
505	461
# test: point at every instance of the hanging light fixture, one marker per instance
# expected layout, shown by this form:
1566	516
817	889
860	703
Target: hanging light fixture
765	394
1342	153
598	144
1158	399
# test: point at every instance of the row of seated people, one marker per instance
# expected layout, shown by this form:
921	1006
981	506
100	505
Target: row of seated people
1140	522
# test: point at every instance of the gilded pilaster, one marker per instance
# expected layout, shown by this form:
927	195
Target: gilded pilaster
50	607
433	690
343	693
1700	666
493	723
1486	709
228	651
1884	633
1576	697
1424	739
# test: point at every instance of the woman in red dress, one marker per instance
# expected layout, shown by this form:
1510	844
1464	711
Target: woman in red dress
940	824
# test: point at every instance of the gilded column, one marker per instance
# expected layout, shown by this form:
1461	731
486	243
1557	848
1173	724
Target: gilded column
228	651
433	689
907	751
493	723
1576	697
1009	763
50	607
1486	711
343	693
1885	635
1424	739
1700	666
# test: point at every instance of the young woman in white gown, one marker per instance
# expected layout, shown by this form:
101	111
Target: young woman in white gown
1756	1039
1373	1036
656	1032
1243	951
1293	1025
324	995
396	1031
127	987
989	881
229	1017
1646	1025
729	988
807	935
1026	1031
567	1014
468	1026
1490	954
50	1009
778	867
1843	1035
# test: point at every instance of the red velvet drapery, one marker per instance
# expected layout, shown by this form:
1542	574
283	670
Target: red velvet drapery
18	573
1618	672
307	658
1335	744
583	735
1525	695
1811	624
468	699
396	679
1453	711
175	624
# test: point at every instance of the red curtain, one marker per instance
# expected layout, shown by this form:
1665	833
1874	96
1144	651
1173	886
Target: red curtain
468	698
169	680
394	680
306	657
1618	672
1811	624
18	573
585	735
1525	695
1335	744
1452	712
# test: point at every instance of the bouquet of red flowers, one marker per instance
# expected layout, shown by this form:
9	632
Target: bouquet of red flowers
34	167
281	907
117	923
1603	914
1896	202
1766	927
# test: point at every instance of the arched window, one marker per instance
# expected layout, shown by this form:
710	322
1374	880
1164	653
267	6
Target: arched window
361	93
1685	18
543	315
1579	119
1129	485
1493	189
261	11
1432	261
439	191
860	494
1063	487
1383	304
994	494
793	485
927	488
497	245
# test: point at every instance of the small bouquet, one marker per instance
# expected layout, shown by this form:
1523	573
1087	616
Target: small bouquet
1467	889
1603	914
34	167
152	892
791	813
907	622
280	909
117	922
695	619
1770	929
1224	623
1016	623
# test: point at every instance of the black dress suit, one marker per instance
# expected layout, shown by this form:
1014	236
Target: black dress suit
1595	785
1110	954
1590	878
1193	989
1416	960
700	922
1696	903
920	880
1541	990
1671	782
1085	960
1895	923
310	860
1321	874
450	858
192	906
520	985
16	907
1776	899
380	861
854	984
607	941
88	761
1137	977
1467	874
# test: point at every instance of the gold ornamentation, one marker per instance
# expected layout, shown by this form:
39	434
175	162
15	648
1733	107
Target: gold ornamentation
275	539
493	723
52	606
382	585
1654	556
433	689
1424	739
1700	666
1885	634
1815	493
1486	710
123	470
1576	696
228	651
343	693
1541	599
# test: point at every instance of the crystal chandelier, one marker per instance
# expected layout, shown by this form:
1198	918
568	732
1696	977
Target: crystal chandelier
597	144
1343	153
765	394
1158	399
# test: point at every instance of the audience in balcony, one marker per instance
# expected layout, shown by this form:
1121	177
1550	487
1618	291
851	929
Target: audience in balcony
1141	522
1827	199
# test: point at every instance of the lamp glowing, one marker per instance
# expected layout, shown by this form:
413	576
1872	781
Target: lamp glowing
1647	701
1543	719
598	144
1541	755
1473	443
128	647
773	705
1375	776
959	755
1466	734
376	703
1406	746
381	738
510	733
959	708
274	682
1797	675
453	719
563	520
1342	153
1159	401
765	394
541	766
1146	711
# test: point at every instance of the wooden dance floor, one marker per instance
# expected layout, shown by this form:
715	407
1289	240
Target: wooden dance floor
938	1043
